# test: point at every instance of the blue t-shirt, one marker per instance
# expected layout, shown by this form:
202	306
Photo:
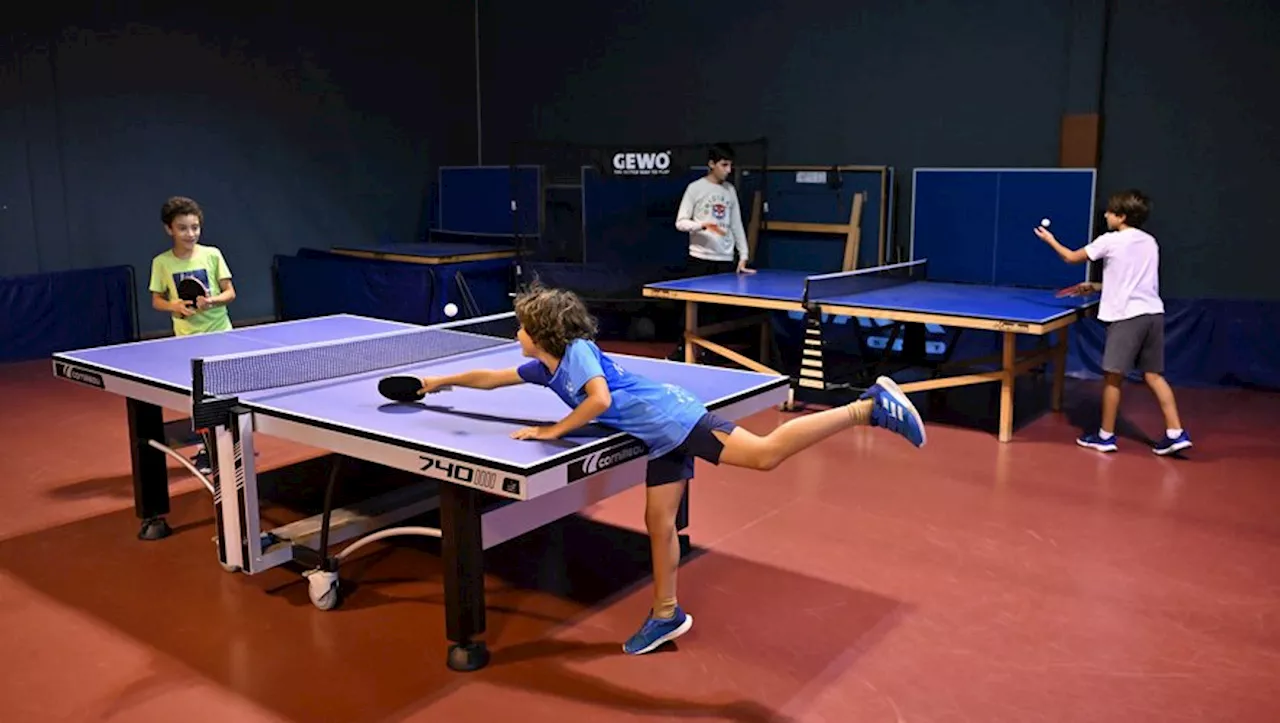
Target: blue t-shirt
661	415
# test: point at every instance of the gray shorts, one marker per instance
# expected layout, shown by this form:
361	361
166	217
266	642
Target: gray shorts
1132	343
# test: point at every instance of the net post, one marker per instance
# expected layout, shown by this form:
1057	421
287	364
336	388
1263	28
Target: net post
920	270
207	411
197	395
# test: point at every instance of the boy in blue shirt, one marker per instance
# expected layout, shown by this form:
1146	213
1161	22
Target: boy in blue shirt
556	333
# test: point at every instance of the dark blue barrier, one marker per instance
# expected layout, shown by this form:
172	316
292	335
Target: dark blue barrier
317	282
489	282
1208	343
601	281
308	286
41	314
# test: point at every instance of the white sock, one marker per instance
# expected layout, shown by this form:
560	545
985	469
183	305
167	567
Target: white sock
1104	434
1173	433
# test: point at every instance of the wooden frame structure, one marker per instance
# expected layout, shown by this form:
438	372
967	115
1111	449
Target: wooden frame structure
851	230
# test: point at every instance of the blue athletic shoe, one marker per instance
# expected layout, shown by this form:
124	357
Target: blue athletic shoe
1093	440
657	631
1169	445
894	412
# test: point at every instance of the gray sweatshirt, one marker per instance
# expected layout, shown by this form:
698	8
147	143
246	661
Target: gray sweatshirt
704	201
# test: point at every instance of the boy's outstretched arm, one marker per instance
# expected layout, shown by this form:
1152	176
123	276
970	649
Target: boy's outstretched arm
597	401
1072	257
475	379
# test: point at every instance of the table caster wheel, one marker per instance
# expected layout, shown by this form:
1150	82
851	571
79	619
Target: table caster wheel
155	528
322	586
466	657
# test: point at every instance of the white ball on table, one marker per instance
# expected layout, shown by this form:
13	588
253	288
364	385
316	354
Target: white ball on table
451	309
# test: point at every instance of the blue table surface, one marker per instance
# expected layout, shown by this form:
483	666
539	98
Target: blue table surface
926	297
433	249
470	421
1003	303
776	284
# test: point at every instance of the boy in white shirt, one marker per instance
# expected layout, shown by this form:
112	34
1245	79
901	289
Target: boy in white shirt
710	213
1133	312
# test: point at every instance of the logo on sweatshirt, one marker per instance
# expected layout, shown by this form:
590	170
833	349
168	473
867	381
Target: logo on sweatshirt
648	163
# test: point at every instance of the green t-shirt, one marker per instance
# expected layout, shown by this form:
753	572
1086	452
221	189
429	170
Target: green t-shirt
207	265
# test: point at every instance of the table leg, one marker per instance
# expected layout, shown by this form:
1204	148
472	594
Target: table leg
766	341
690	331
150	473
1008	364
463	551
1060	367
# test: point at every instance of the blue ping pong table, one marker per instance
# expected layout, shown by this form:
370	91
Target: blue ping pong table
898	293
434	253
314	382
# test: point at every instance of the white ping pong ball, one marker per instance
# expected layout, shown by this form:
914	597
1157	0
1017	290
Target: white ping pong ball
450	309
1044	222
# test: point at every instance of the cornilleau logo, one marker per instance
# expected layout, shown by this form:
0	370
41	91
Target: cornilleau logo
604	459
66	371
642	164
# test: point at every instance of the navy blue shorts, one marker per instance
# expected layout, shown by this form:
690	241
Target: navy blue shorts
677	464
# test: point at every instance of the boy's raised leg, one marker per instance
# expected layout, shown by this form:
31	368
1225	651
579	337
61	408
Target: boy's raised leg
884	405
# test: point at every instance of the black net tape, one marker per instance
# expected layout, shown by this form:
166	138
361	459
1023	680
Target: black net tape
825	286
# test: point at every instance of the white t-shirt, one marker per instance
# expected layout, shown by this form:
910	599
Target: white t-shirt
1130	274
706	200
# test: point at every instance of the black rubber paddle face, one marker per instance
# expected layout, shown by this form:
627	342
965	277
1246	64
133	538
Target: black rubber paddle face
190	289
401	388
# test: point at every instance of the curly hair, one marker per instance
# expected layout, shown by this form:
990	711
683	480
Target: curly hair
179	206
553	318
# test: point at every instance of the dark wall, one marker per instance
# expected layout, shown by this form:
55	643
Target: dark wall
1193	115
291	128
1185	90
314	127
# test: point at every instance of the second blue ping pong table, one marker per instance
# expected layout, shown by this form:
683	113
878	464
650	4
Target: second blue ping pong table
898	293
315	382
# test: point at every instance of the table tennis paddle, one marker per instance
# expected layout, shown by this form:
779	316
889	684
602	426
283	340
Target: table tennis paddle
403	388
1084	288
190	289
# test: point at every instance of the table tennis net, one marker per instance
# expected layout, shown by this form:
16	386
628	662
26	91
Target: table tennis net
826	286
235	374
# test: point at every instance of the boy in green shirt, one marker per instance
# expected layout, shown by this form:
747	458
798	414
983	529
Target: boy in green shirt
182	219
